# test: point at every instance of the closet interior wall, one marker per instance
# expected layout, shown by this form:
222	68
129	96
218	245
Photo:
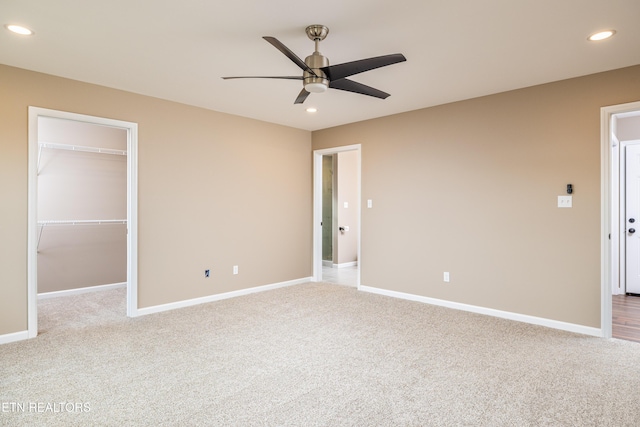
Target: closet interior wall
82	205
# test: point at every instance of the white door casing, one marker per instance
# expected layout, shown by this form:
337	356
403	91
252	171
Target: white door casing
132	208
632	218
609	208
317	207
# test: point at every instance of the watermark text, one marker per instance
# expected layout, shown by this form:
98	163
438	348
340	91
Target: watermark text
45	407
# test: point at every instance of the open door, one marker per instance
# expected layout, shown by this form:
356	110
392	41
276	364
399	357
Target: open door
632	219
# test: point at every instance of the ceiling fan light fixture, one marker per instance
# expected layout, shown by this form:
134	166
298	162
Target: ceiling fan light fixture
601	35
315	87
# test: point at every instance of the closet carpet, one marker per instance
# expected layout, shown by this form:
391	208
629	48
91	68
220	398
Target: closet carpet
315	354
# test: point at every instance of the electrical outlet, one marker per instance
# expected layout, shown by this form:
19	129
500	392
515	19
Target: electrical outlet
206	273
235	269
446	276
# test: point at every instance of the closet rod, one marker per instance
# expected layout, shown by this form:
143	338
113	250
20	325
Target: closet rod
83	222
82	148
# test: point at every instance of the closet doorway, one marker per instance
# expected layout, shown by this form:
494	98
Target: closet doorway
82	207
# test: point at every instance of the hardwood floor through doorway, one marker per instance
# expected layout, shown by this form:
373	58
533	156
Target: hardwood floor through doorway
626	317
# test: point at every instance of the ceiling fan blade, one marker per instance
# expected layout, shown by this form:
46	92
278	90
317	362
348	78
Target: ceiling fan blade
265	77
288	53
301	96
340	71
355	87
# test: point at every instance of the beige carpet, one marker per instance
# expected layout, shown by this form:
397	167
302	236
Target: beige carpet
313	354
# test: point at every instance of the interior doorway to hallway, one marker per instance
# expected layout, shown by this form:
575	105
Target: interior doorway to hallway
621	204
337	213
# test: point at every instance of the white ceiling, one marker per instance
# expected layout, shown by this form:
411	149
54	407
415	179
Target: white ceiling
455	49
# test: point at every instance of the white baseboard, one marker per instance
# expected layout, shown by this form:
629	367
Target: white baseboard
345	264
67	292
555	324
218	297
16	336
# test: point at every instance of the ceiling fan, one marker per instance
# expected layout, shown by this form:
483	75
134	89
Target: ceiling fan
318	75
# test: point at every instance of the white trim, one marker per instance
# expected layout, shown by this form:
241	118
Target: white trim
317	205
77	291
555	324
346	264
16	336
132	219
617	190
607	210
132	208
218	297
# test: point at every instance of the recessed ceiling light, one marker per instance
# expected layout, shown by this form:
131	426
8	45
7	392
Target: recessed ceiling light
601	35
311	110
19	30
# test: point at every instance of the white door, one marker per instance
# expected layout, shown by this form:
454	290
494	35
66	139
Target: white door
632	218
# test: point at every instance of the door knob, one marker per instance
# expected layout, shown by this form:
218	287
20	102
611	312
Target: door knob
632	220
632	230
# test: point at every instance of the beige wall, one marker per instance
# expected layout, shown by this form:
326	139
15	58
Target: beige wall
76	185
628	128
471	188
215	190
347	185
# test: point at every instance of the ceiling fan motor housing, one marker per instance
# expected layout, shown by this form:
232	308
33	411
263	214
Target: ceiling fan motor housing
316	83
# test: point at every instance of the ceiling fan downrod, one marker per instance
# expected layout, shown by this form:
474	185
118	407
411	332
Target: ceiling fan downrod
316	81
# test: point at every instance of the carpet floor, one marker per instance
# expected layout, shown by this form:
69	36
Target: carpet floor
309	355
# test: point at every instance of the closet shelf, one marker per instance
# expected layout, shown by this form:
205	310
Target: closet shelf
83	148
83	222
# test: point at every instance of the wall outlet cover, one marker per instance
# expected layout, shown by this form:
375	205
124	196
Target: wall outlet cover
565	201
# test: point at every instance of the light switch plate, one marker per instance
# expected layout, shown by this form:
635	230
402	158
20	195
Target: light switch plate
369	203
565	201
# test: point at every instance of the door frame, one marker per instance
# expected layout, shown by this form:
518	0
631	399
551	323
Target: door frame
32	228
610	209
317	206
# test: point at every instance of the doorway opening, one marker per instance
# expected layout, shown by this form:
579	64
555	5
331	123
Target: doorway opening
620	126
337	215
43	212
